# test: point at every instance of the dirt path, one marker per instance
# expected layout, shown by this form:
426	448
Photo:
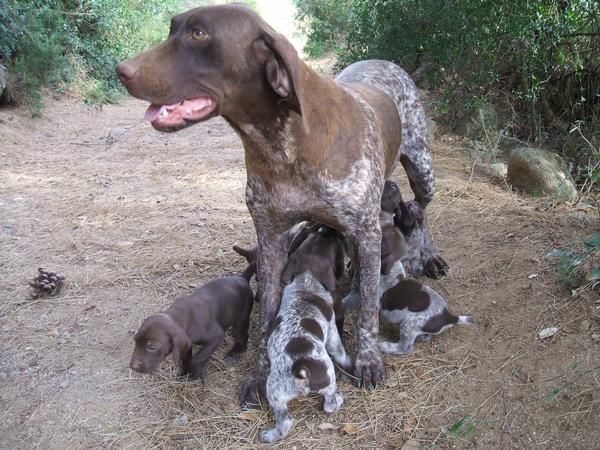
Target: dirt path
134	218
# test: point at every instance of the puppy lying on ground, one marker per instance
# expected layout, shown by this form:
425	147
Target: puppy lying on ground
303	334
419	311
202	317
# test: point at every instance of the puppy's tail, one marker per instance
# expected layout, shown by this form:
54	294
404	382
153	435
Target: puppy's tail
249	254
311	372
465	320
249	272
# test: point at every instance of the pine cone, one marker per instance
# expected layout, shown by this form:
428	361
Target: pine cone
46	284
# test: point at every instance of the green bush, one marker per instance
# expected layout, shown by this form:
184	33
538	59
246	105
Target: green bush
324	22
538	61
51	42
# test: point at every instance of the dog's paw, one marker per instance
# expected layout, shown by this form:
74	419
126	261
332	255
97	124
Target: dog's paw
270	436
369	369
333	403
434	266
252	393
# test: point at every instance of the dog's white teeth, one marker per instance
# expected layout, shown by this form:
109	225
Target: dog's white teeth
164	112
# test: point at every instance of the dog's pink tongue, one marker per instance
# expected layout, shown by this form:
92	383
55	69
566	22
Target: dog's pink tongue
152	112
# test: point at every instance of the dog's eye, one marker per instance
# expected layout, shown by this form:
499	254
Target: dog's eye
198	34
151	346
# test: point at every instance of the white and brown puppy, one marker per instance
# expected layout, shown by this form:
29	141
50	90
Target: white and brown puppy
419	311
303	335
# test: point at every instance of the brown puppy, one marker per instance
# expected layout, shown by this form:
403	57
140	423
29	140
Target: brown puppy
202	317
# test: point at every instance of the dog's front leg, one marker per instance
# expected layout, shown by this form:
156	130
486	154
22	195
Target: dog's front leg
272	255
369	367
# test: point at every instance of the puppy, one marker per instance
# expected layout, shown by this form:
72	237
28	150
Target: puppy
200	318
419	311
301	338
396	250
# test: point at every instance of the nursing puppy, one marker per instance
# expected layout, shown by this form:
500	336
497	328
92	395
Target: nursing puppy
419	311
304	333
397	251
202	317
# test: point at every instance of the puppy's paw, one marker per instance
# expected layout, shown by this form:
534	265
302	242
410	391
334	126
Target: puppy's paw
333	402
434	266
369	369
270	436
395	348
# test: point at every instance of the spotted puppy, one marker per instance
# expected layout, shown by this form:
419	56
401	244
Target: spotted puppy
419	311
200	318
303	335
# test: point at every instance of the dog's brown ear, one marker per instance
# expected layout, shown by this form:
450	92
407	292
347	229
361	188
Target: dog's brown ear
180	344
283	71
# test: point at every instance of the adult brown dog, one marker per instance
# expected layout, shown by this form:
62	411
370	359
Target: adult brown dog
316	148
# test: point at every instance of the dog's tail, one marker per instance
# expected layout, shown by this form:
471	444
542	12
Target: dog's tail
249	254
465	320
249	272
311	372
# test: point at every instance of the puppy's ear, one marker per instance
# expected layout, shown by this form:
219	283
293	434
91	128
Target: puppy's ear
180	344
283	70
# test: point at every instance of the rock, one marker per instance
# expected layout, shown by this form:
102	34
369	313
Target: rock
539	171
181	421
411	444
495	171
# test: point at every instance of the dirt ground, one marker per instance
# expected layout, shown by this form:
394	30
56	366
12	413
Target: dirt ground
133	218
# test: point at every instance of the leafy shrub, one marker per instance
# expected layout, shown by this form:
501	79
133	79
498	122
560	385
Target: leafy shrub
46	42
324	22
572	266
538	61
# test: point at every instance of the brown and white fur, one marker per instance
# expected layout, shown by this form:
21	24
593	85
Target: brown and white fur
303	336
419	311
315	148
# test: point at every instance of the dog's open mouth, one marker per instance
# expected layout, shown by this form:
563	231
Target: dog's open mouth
179	115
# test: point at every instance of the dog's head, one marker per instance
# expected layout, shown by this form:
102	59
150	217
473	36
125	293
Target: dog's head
158	336
216	60
391	196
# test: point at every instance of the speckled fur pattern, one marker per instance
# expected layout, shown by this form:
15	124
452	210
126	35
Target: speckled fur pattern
415	154
282	385
411	324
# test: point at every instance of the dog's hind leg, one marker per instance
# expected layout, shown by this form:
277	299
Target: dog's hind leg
332	399
283	422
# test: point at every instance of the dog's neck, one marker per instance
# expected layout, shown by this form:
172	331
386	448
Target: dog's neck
274	135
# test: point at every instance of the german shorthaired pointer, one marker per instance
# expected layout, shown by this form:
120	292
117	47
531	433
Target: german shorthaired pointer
302	337
419	311
202	317
316	148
